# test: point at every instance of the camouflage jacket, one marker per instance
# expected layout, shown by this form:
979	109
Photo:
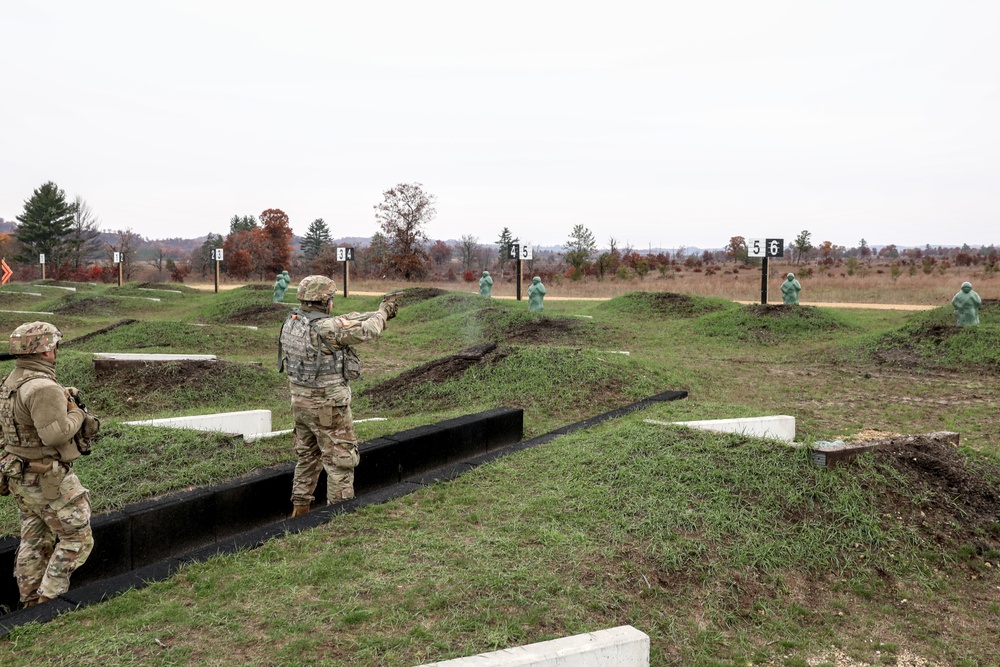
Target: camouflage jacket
337	332
40	416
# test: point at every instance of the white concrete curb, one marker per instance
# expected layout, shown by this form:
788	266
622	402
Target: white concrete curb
623	646
778	427
251	424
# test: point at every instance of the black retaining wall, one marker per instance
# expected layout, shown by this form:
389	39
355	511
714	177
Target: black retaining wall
148	541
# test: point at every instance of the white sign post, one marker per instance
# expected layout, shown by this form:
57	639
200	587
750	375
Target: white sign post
217	256
345	255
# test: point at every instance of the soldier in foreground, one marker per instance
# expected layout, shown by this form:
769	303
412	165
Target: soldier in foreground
43	431
314	349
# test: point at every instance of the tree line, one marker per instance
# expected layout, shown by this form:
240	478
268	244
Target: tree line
258	247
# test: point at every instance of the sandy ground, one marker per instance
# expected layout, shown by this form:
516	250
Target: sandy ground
869	306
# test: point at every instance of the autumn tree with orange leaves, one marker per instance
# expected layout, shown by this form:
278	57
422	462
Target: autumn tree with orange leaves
277	234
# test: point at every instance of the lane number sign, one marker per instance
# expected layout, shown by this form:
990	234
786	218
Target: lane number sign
345	254
765	247
518	251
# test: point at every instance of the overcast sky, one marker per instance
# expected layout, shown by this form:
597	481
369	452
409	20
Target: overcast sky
656	123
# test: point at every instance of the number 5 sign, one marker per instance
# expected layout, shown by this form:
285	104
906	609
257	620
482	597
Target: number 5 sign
765	247
525	252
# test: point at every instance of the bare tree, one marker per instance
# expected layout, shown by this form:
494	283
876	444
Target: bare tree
83	240
402	214
128	243
468	249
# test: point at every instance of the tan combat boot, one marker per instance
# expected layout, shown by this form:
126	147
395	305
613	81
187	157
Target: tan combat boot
299	510
40	599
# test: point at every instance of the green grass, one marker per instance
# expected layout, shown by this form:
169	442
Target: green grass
628	523
725	550
932	340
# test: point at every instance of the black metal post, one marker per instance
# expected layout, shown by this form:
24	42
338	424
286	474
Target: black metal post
763	280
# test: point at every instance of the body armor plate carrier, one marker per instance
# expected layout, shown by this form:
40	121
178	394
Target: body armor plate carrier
306	364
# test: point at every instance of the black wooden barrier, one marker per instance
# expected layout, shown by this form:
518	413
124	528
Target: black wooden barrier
148	541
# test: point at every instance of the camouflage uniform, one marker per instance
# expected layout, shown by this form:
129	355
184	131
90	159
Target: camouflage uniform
40	427
315	352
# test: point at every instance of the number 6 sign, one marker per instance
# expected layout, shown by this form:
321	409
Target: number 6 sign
765	247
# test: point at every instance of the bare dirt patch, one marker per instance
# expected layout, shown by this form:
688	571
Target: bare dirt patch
418	294
960	503
544	330
439	370
781	311
135	383
498	324
265	313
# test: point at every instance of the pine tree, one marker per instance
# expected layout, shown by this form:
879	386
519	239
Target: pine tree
315	239
579	247
46	224
504	242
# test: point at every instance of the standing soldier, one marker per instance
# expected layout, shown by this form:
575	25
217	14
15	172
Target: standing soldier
314	349
43	429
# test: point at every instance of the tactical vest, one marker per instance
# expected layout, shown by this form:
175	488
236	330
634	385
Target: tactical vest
305	363
14	435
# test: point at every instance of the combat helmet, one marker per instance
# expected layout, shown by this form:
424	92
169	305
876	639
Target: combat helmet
34	338
316	289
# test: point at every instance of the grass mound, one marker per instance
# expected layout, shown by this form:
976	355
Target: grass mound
556	380
664	304
171	389
250	305
504	324
129	335
168	287
101	305
771	324
414	295
445	305
932	339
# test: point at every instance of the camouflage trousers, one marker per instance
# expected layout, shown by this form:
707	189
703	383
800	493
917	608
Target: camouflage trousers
324	439
55	535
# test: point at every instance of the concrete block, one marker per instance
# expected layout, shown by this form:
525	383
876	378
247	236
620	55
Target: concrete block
504	426
777	427
424	448
471	433
164	527
10	597
379	465
128	356
112	554
252	500
623	646
247	423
